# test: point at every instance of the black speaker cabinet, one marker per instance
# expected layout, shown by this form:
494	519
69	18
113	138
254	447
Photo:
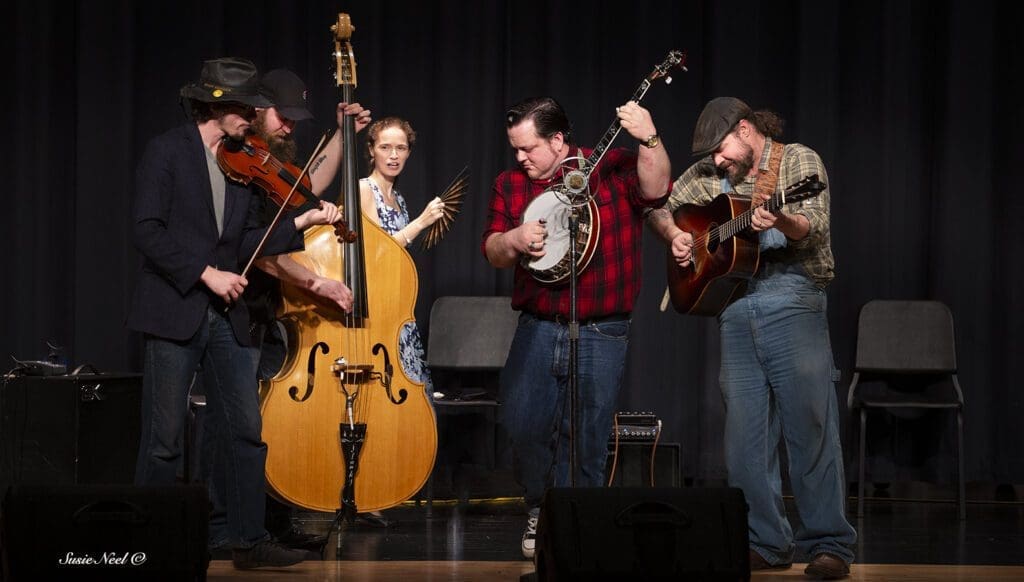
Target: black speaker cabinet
104	532
643	533
69	429
633	466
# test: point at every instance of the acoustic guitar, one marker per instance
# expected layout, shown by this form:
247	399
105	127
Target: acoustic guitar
725	250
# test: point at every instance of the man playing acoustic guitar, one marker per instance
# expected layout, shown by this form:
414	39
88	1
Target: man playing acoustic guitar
777	367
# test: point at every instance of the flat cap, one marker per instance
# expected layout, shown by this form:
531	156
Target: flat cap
720	115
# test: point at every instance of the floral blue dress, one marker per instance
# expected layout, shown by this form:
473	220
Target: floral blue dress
410	345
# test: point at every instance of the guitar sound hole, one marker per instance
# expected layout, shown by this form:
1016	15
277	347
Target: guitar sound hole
713	239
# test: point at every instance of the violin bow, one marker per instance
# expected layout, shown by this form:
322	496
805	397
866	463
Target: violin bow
452	198
280	211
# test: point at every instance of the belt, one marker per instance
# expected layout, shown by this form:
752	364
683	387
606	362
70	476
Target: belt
563	320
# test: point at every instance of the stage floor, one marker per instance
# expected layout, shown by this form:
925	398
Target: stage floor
488	571
900	540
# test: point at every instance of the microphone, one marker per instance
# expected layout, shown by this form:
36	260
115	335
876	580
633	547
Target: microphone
575	182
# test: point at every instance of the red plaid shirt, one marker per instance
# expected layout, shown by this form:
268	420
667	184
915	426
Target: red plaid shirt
610	283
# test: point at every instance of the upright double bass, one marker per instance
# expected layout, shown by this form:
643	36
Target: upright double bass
342	379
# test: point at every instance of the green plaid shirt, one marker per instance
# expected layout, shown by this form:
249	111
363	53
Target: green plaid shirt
814	251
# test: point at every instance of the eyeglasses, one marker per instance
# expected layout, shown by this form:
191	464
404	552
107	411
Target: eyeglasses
386	148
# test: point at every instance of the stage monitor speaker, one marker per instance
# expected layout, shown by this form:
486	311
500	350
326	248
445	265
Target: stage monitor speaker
104	532
642	533
633	466
69	429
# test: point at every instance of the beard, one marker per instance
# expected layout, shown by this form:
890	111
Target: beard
283	148
737	171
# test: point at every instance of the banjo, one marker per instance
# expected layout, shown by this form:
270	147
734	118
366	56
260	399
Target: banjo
573	195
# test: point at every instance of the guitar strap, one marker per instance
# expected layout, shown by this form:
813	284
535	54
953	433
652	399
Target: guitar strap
768	179
764	187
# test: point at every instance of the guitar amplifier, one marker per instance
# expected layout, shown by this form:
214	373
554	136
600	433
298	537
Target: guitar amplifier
635	427
104	532
72	429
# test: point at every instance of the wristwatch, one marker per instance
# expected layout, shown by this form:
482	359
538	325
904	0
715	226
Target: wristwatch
652	141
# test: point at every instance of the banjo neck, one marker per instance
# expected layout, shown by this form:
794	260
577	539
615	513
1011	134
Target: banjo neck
556	265
674	58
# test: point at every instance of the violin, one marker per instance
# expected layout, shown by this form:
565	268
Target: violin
249	160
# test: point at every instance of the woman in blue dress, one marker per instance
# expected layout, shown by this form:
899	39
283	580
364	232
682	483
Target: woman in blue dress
390	142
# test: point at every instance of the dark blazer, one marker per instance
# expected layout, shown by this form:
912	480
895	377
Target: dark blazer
175	229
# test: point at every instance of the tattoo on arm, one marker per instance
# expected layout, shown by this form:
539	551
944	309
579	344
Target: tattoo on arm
658	216
660	220
316	164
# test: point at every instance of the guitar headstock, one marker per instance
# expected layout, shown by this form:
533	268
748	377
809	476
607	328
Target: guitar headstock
674	59
808	187
345	61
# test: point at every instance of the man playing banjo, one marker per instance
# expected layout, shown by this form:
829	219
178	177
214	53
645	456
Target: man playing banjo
534	381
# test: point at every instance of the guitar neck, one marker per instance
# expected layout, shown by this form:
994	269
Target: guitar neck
805	188
742	221
613	131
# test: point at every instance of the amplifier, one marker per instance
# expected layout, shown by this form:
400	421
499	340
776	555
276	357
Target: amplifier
104	532
69	429
643	464
635	426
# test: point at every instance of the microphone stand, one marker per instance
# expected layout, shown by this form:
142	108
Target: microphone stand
576	183
574	340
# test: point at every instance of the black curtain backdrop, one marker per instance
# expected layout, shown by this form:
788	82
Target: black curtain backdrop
910	104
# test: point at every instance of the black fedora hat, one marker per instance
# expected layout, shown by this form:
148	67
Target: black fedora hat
720	115
227	80
287	93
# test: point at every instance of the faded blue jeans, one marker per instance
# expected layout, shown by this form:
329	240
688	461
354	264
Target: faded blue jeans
535	407
778	383
229	379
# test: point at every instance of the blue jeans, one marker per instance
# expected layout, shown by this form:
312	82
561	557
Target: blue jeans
272	351
229	379
535	407
777	381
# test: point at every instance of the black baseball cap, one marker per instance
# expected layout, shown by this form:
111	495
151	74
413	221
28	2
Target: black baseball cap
286	92
720	115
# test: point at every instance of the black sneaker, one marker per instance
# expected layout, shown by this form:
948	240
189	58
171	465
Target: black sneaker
266	554
299	540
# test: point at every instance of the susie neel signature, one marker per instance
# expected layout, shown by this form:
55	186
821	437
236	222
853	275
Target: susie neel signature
105	559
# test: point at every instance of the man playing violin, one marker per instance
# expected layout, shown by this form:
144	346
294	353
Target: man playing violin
535	378
194	230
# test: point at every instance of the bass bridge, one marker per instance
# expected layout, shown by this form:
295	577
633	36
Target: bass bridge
360	374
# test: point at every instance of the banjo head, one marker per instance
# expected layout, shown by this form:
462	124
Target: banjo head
554	266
